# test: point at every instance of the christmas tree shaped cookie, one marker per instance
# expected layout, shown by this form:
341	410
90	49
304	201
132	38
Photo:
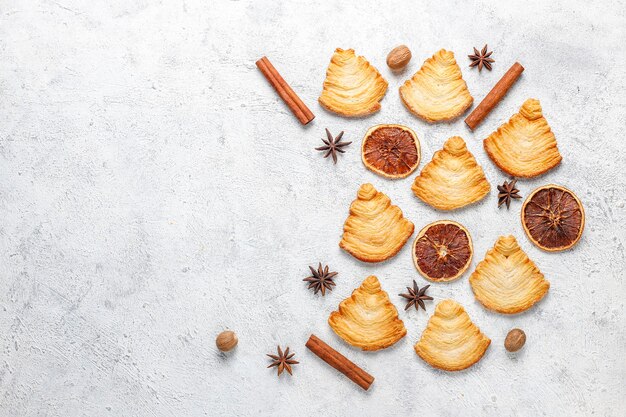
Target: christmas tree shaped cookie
437	92
451	341
507	281
353	87
368	319
452	179
375	230
525	145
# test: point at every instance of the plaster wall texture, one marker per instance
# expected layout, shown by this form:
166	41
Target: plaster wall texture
154	191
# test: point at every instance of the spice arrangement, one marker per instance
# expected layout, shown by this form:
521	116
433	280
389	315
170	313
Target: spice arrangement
494	96
507	193
295	104
515	340
339	362
282	361
505	281
399	58
226	341
333	145
416	296
481	59
321	279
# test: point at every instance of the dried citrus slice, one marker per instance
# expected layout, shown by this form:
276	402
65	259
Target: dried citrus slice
392	151
442	251
553	218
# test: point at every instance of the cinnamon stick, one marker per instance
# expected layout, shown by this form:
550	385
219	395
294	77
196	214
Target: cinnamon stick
495	95
339	362
297	106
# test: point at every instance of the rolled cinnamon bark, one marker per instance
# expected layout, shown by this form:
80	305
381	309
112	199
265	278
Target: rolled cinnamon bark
494	96
297	106
339	362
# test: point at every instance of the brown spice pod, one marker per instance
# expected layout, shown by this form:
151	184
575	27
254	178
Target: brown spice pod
553	218
226	341
399	57
515	340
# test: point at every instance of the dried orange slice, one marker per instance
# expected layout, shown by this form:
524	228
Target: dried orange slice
553	218
392	151
442	251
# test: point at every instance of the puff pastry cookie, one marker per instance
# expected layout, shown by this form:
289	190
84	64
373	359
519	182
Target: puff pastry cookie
368	319
451	341
375	230
353	87
452	179
437	92
525	145
507	281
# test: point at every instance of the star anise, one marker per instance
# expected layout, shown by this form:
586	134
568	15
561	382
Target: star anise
416	297
333	145
321	279
507	191
481	59
282	361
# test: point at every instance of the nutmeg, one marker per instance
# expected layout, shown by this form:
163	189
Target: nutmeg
515	340
399	57
226	340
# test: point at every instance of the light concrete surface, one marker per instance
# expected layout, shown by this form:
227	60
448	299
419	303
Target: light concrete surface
154	191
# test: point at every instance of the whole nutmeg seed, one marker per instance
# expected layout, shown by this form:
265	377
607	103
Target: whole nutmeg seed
399	57
515	340
226	340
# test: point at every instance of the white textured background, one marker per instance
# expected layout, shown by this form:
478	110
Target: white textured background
155	191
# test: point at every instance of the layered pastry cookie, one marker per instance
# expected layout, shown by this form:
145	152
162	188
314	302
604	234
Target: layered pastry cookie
507	281
375	230
367	319
437	92
452	179
451	341
353	87
525	145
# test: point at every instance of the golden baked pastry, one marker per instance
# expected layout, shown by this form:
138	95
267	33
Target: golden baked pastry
451	341
353	87
525	145
437	92
367	319
452	179
507	281
375	230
